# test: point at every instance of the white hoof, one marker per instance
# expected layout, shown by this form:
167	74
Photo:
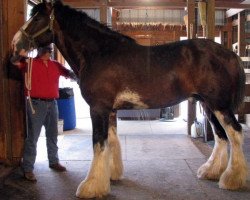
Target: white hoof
97	183
208	171
116	172
91	188
233	180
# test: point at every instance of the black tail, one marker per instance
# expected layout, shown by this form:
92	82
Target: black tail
240	90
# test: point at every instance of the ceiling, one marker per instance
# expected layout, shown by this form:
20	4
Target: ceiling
122	4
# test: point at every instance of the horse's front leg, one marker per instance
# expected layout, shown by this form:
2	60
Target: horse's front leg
116	165
97	182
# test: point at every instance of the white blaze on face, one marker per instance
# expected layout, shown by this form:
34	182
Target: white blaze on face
17	37
128	96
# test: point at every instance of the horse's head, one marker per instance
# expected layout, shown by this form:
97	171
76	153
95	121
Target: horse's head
36	32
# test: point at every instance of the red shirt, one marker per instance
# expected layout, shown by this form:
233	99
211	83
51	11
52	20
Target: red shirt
45	78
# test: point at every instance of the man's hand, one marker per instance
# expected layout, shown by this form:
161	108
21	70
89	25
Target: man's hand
73	76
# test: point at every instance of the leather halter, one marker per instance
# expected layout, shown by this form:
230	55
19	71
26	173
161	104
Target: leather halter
31	38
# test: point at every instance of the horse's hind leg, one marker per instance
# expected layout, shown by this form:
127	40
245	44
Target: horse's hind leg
115	163
97	182
234	177
217	162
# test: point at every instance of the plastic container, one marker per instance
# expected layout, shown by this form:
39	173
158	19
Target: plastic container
66	108
60	126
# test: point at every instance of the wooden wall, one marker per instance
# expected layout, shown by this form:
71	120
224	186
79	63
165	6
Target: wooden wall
12	117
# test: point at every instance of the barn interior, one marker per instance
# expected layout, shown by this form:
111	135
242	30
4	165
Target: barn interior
163	148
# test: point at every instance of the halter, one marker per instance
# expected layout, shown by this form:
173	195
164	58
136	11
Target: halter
31	38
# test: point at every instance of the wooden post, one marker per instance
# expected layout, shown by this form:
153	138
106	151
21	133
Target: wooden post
103	14
191	34
241	34
241	48
210	19
210	33
115	14
12	109
229	33
191	19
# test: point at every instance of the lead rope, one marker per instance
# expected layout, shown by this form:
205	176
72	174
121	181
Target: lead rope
28	81
28	74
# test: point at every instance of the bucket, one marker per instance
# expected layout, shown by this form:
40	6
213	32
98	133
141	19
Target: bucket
60	126
197	129
193	131
66	108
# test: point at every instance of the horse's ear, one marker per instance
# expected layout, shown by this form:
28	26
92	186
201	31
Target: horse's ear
49	5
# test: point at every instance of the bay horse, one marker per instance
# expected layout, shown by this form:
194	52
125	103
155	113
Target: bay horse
117	73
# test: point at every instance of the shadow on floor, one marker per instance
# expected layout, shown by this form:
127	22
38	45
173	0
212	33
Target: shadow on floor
158	164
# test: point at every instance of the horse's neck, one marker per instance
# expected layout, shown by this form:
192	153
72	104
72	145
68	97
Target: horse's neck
87	34
81	46
70	54
76	53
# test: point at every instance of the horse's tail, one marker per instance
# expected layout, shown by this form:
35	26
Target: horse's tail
239	95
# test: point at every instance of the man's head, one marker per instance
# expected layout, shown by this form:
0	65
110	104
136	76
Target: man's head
43	50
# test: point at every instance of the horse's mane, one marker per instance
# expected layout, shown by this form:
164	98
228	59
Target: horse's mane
76	21
41	7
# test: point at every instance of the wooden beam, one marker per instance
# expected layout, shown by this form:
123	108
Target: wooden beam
241	34
241	52
142	4
228	5
12	118
191	34
231	12
147	4
210	20
115	15
86	3
229	33
191	19
172	4
103	14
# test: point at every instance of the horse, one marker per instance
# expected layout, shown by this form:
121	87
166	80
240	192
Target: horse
117	73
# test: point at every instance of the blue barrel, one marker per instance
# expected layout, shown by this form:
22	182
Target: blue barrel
66	108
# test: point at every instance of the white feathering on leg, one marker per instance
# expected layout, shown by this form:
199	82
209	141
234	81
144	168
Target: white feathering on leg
116	165
234	177
217	162
97	182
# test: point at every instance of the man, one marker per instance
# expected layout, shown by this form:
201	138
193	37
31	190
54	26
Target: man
41	80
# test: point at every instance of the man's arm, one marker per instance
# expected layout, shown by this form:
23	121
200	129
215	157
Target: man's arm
68	73
73	76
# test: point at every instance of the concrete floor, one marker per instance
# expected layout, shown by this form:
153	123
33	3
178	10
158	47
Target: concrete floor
160	162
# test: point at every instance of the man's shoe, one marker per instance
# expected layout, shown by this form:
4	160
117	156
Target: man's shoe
57	167
30	176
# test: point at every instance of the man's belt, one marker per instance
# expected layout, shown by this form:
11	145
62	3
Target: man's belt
42	99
